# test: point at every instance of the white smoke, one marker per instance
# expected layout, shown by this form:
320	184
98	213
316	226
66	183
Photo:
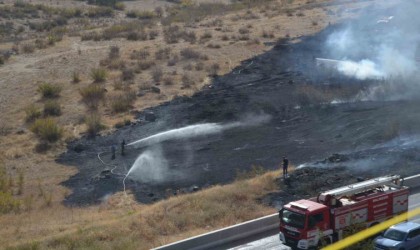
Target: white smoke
381	44
365	69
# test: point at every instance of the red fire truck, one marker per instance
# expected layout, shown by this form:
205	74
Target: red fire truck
307	224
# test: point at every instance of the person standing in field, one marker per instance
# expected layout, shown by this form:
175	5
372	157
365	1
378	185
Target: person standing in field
285	166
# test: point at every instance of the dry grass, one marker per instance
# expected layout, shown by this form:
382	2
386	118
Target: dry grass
144	227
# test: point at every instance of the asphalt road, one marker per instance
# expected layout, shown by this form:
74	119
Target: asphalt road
270	240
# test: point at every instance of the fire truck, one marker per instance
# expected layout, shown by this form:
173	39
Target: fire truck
312	223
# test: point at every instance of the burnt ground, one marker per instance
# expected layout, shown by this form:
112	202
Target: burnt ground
373	137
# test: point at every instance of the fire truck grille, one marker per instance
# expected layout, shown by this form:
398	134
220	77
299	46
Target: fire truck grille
291	233
291	242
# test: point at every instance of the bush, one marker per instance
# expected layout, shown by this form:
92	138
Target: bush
48	90
141	14
47	129
144	65
153	34
189	53
32	113
206	35
122	103
243	30
8	203
157	74
127	75
213	69
187	81
28	48
76	77
190	37
267	34
92	95
52	108
199	66
91	36
172	34
94	124
173	60
163	53
114	52
142	54
100	12
137	35
98	75
119	6
168	81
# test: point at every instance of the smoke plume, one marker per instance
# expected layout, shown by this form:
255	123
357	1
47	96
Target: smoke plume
382	44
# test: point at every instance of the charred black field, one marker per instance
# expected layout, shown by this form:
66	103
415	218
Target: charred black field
278	103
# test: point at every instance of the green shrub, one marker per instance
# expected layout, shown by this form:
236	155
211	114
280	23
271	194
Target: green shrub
122	103
8	203
141	14
98	74
48	90
52	108
100	12
92	95
32	113
119	6
47	129
94	124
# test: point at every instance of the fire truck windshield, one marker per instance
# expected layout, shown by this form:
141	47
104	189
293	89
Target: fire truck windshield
293	219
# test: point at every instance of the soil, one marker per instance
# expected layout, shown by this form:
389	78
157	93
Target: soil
373	137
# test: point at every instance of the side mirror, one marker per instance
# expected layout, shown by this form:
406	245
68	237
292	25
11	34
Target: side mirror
408	239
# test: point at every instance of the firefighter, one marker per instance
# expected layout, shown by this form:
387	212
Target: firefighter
112	152
123	147
285	166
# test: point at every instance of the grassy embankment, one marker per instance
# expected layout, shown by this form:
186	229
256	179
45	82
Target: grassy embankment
144	227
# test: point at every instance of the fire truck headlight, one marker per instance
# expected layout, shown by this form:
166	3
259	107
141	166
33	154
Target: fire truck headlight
282	238
303	244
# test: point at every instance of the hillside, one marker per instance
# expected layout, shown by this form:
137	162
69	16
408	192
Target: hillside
78	78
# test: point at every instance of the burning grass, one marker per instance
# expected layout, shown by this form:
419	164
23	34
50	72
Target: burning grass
143	227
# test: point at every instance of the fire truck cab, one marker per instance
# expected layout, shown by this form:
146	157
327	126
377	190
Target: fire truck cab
308	224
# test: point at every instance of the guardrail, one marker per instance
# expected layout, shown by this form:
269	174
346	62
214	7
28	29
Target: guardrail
245	229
